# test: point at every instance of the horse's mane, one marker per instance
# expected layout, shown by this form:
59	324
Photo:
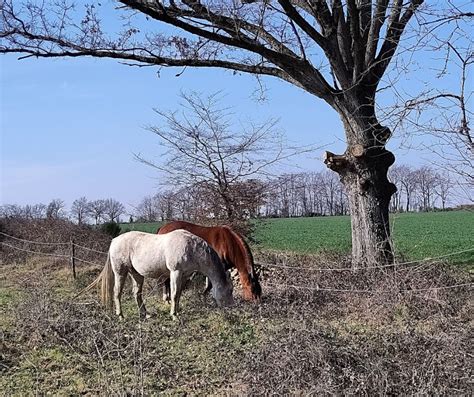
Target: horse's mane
244	247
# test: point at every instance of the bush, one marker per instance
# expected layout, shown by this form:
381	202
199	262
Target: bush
111	228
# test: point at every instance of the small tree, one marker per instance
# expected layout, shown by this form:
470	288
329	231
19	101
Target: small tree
55	209
148	209
13	211
426	181
97	209
113	209
205	150
443	187
80	210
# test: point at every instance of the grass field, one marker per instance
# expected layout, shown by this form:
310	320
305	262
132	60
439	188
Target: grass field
416	235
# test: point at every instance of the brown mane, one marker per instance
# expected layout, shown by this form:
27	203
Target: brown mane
244	247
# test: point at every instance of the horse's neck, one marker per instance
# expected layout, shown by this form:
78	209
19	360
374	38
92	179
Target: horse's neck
213	273
237	254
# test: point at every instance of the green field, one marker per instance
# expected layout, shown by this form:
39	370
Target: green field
416	235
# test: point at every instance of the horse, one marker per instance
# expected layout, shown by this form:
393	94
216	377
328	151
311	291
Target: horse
175	255
231	248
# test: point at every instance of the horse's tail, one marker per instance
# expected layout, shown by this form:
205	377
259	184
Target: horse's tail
106	276
107	285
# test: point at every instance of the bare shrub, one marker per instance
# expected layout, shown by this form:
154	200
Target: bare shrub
51	231
391	340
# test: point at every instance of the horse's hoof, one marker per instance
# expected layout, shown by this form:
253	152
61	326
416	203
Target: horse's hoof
174	317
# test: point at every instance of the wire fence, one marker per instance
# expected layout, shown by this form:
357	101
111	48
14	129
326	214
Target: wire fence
35	252
33	242
69	247
367	291
73	258
354	268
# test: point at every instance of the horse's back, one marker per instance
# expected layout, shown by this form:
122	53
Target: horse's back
215	236
142	252
185	250
152	255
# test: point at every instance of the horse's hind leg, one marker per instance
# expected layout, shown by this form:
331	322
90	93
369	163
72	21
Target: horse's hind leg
118	288
176	278
166	291
137	282
208	286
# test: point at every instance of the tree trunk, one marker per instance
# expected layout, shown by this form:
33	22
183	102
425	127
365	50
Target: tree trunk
363	171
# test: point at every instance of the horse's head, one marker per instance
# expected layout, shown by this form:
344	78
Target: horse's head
223	293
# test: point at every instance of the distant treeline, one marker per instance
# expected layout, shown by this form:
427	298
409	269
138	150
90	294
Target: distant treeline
288	195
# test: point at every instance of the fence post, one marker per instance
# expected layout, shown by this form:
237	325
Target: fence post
73	259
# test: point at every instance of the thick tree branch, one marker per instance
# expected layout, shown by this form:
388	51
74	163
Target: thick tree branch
397	24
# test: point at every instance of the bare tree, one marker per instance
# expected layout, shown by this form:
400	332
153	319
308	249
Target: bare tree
148	209
408	179
330	182
337	51
396	176
113	209
29	211
12	211
80	210
426	181
55	209
205	151
442	112
443	187
37	211
97	209
165	204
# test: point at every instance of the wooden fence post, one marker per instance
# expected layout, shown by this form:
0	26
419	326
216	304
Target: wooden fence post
72	259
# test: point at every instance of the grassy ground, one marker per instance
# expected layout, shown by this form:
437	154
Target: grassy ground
150	227
416	236
55	345
297	341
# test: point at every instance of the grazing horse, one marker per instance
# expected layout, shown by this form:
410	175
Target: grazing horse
175	256
232	249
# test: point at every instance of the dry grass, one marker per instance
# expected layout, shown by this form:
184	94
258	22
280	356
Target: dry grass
384	343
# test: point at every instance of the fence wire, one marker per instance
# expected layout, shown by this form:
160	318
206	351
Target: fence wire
302	287
367	291
32	242
35	252
341	269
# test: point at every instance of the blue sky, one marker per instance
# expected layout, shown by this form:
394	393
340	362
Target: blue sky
69	127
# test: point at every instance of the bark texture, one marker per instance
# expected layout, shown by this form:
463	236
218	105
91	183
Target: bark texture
363	170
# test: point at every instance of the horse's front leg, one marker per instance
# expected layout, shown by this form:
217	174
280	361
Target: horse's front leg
137	280
118	288
176	278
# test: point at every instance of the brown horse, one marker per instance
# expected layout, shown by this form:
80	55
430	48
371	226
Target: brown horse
232	249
